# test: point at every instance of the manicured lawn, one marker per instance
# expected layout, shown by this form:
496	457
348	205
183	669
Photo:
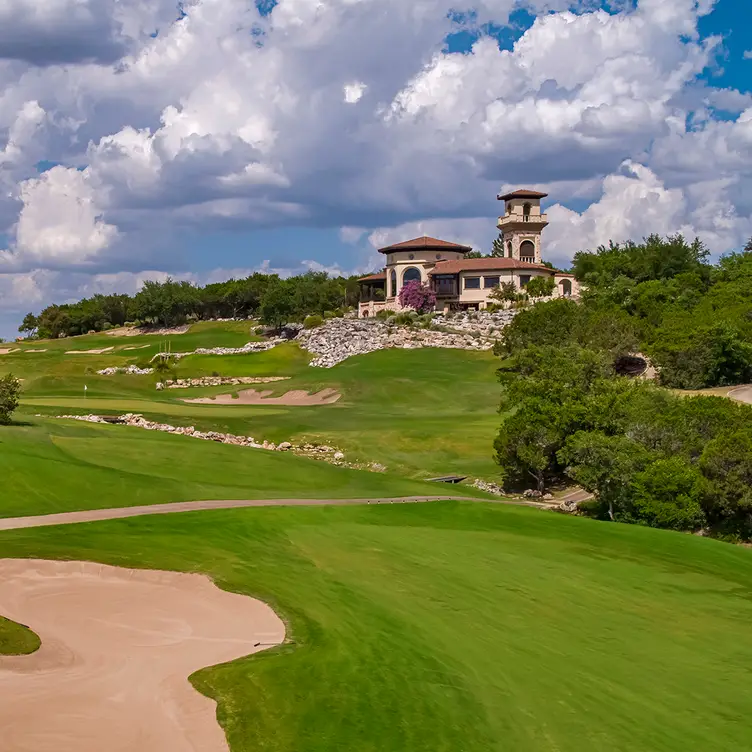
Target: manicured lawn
15	639
460	626
420	413
56	466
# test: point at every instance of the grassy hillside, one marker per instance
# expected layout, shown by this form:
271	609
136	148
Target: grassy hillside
57	466
418	412
474	627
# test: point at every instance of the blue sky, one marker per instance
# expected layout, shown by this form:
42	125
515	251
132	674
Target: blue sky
139	140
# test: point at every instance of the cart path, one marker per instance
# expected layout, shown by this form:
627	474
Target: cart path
94	515
742	394
118	646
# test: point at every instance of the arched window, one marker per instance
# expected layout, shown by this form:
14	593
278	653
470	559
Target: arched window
411	274
392	283
566	287
527	251
526	212
509	249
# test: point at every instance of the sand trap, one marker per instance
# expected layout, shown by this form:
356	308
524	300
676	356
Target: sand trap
138	347
43	350
7	350
118	646
252	397
89	352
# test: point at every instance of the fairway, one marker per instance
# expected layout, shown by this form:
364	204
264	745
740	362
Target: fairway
459	626
398	408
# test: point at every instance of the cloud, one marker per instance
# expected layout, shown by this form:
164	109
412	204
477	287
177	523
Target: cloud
747	55
229	119
59	223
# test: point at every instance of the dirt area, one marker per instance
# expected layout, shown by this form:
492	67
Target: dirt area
136	347
89	352
8	350
117	648
742	394
252	397
132	331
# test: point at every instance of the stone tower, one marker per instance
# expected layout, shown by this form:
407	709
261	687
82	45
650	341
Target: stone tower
522	225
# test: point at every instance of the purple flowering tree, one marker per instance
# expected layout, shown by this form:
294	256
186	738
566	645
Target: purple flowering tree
417	296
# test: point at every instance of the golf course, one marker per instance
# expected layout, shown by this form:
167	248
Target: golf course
467	624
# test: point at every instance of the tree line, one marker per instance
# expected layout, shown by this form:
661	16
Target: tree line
650	455
268	297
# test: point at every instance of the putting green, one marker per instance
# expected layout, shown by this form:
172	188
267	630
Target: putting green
452	626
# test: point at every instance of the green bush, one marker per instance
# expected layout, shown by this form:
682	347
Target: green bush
311	322
10	389
383	314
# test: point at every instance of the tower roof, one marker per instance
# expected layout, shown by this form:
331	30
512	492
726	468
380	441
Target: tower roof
426	243
521	193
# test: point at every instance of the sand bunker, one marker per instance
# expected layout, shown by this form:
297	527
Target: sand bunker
118	646
137	347
252	397
42	350
7	350
89	352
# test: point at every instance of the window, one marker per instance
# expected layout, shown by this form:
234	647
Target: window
566	287
411	274
527	251
472	283
491	282
524	279
526	212
509	249
445	285
393	285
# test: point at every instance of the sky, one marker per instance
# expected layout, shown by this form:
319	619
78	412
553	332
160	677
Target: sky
212	138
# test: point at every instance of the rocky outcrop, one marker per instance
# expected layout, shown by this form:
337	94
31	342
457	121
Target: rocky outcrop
221	381
130	370
476	323
250	347
339	339
323	452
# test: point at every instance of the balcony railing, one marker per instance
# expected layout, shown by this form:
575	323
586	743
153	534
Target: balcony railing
509	219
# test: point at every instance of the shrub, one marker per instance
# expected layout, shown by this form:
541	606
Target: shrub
10	389
417	296
311	322
383	314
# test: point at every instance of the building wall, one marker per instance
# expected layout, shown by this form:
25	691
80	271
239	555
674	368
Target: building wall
423	260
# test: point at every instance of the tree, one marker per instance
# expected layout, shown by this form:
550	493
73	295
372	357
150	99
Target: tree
506	292
278	303
418	296
10	389
29	325
605	466
540	287
497	250
667	494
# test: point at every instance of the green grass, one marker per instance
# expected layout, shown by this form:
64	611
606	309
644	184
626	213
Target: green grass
420	413
450	626
56	466
15	639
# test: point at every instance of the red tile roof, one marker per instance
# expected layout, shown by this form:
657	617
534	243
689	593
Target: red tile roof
521	193
426	243
485	265
373	277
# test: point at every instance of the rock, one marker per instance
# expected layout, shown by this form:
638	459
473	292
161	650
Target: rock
160	386
285	446
339	456
492	488
338	339
532	494
548	496
130	370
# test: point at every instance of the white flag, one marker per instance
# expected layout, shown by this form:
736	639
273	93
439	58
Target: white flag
85	387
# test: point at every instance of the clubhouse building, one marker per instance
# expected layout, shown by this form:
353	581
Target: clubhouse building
465	283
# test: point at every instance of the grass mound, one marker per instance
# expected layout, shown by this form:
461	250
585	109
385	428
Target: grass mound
453	626
15	639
